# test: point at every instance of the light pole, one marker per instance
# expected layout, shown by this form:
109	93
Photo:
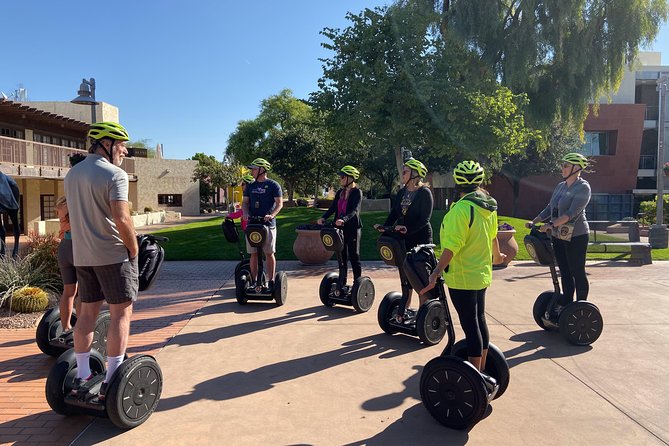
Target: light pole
87	96
658	234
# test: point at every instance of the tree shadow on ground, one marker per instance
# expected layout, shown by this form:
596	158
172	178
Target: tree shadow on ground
26	368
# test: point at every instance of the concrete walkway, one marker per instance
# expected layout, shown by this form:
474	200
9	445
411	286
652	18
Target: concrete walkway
307	374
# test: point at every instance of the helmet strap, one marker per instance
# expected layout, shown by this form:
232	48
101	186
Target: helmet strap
349	181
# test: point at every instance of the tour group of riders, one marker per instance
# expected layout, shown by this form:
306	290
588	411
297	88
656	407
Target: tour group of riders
99	263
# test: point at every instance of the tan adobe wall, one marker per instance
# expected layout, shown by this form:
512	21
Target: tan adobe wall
103	111
160	176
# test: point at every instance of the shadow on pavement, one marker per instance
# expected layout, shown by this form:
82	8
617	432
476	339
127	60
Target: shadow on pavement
543	345
239	384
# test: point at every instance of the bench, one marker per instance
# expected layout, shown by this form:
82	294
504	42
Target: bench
630	240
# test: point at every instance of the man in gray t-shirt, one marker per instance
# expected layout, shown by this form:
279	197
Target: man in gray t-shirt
104	247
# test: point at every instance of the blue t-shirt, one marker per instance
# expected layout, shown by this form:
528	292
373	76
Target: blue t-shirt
261	198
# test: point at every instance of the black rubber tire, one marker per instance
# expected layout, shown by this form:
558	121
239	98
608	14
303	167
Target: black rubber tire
134	391
453	391
539	308
61	379
325	288
242	269
581	323
362	294
431	322
280	291
388	305
100	332
495	364
49	328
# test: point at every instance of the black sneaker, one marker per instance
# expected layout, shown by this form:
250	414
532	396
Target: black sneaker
79	390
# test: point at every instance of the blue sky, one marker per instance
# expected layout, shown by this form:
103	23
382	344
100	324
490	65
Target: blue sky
181	73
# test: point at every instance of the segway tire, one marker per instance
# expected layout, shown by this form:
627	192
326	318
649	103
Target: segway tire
453	392
325	288
242	269
581	323
280	291
134	391
495	364
100	332
431	322
539	308
62	375
49	328
388	308
362	294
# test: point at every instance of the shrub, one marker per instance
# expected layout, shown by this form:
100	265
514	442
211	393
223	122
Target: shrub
302	202
504	227
648	209
148	209
43	251
25	271
29	300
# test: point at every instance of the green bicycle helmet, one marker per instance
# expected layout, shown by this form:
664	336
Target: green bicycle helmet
468	173
111	130
248	178
416	165
260	162
576	159
350	171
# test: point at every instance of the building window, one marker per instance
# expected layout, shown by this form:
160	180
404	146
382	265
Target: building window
170	200
599	144
47	205
11	133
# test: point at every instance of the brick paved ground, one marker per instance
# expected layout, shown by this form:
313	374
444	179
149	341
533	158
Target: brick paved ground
25	416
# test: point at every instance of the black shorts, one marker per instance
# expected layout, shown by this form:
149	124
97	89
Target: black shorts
117	283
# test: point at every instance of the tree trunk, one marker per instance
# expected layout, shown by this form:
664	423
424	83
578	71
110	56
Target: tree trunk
399	162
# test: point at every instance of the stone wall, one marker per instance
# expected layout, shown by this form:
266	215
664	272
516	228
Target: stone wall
171	177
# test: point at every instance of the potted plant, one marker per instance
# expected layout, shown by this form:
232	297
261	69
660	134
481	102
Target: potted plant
308	247
507	242
665	169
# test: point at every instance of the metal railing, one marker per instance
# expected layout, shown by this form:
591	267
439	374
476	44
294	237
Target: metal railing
647	162
30	153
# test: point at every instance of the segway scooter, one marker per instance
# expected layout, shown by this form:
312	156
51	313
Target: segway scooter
231	234
579	322
454	392
430	321
245	288
132	394
49	334
333	289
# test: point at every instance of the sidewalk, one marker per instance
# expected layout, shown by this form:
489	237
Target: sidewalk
307	374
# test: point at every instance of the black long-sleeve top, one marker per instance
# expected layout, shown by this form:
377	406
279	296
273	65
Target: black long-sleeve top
416	218
352	221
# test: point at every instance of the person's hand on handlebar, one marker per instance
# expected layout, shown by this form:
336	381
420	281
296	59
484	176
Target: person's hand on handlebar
401	229
321	221
545	228
339	222
431	282
529	224
378	227
268	217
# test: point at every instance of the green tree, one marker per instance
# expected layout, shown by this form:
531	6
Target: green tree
393	84
563	54
213	176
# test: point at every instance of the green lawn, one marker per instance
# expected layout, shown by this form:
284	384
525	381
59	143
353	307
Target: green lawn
204	240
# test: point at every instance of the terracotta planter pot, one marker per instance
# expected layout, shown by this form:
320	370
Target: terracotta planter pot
507	245
309	249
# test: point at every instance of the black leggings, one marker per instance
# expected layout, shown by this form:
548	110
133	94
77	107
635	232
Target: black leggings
570	258
470	305
351	252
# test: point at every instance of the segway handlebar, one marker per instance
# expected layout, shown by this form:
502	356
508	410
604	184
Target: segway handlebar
385	229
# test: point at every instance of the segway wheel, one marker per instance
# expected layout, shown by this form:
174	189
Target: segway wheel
388	309
280	291
50	328
100	332
495	364
362	294
539	308
242	270
431	322
62	376
453	391
581	323
134	391
325	288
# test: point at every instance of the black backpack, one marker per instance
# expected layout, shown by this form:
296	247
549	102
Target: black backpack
150	259
230	231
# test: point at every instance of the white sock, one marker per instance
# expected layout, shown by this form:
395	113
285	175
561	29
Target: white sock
83	365
112	364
